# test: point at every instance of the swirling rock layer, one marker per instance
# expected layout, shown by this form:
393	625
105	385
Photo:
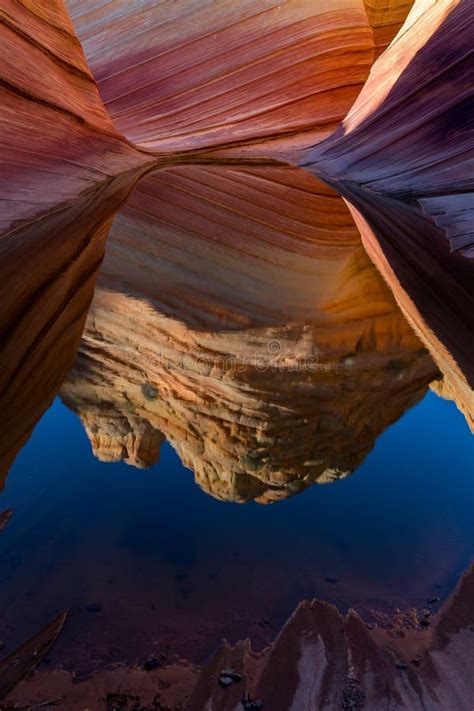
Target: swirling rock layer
63	172
44	309
56	139
190	74
259	396
403	158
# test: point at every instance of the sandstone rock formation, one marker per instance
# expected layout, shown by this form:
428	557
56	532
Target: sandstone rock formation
386	17
56	139
403	158
260	396
63	172
320	660
237	314
44	308
55	125
192	74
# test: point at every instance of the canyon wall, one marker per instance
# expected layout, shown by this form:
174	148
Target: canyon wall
404	158
64	170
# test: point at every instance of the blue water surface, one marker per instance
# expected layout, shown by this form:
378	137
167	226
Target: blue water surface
398	529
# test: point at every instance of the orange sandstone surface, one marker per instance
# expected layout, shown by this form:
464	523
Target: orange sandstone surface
237	315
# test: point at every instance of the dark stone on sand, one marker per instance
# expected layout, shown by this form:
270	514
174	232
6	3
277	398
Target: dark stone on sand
432	600
122	702
93	607
81	677
401	665
152	663
149	391
424	623
333	581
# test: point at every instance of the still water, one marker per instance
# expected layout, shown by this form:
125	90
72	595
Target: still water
145	561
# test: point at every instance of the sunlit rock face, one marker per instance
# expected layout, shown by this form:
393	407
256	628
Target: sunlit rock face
386	17
237	313
404	159
117	436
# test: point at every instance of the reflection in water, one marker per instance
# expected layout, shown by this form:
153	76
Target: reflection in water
237	315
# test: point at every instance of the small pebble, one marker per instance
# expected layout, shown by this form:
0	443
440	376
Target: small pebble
151	663
401	665
225	681
232	674
432	600
333	581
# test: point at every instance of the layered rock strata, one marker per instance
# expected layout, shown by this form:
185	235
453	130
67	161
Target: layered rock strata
403	159
237	314
191	74
64	170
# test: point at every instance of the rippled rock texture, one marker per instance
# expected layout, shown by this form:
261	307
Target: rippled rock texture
57	140
63	172
260	342
237	313
403	158
187	75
